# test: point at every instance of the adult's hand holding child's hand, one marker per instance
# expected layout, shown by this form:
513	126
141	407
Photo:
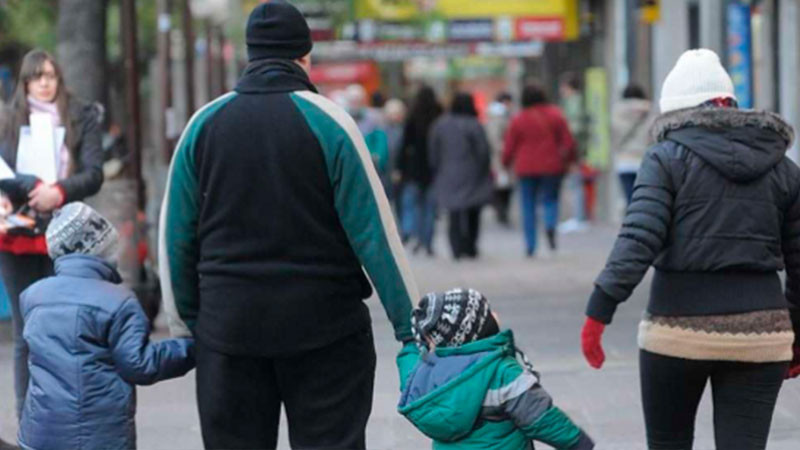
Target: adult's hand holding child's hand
591	337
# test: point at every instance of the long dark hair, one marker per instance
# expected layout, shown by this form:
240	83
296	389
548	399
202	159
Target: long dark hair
533	94
18	110
424	111
463	105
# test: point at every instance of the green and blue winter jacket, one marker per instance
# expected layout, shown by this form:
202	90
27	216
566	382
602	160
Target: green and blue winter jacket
478	396
272	212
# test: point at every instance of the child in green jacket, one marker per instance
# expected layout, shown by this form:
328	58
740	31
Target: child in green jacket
464	388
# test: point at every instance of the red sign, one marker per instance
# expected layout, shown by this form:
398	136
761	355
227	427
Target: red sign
342	72
540	28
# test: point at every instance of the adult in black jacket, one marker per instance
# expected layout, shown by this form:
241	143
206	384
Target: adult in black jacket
79	172
716	211
413	164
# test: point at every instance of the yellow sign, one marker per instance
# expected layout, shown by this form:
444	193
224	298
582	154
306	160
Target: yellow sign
401	10
650	10
387	9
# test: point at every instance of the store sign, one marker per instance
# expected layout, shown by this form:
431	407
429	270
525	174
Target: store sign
471	30
740	62
565	12
529	29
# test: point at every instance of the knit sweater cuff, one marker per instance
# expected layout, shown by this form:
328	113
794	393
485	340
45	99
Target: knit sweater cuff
601	306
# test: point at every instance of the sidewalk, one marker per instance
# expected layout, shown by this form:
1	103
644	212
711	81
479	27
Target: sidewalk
542	300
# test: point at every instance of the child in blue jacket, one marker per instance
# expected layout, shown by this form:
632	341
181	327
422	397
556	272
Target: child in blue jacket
89	343
466	389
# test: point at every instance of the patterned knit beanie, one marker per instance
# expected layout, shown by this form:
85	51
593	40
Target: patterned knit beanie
453	318
77	228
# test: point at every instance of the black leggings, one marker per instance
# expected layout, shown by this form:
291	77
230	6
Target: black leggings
464	231
743	394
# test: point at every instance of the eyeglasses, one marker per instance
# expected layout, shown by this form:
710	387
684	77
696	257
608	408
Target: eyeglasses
46	76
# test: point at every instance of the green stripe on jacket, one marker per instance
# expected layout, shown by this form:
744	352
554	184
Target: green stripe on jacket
362	207
178	229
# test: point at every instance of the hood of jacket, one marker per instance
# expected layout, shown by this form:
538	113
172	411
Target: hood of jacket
270	76
86	266
742	145
443	397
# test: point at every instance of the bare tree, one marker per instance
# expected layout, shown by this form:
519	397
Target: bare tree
81	47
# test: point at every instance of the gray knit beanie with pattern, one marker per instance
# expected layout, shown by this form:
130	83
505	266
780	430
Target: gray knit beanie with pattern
77	228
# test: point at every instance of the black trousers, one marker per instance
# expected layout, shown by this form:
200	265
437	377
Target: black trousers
464	229
19	272
744	396
502	203
327	394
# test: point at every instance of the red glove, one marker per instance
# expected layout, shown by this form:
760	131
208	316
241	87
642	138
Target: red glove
591	336
794	366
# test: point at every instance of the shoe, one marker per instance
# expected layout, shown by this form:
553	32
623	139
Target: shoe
551	239
429	251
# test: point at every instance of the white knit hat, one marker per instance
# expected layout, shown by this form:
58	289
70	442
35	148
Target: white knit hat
77	228
697	77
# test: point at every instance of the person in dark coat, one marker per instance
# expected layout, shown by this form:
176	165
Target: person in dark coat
89	343
541	149
417	201
460	159
273	218
716	211
79	169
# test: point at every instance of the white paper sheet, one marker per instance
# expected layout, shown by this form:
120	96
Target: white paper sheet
39	145
5	171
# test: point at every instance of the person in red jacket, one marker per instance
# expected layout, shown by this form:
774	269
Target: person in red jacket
541	149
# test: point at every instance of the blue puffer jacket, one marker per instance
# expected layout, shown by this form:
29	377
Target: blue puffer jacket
89	345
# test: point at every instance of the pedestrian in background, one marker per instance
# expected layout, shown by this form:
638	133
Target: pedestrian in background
89	342
631	119
499	114
541	149
394	113
273	218
462	181
716	210
580	180
413	165
370	123
79	169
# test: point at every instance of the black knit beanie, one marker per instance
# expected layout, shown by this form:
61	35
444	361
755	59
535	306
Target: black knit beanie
454	318
277	30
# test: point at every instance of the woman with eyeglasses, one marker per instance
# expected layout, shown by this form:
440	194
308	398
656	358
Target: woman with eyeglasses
78	168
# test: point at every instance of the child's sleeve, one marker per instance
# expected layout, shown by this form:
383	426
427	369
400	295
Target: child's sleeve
531	409
140	361
407	359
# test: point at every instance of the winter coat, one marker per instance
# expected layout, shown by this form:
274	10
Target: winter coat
376	139
477	396
273	211
460	160
539	142
716	210
89	346
413	161
631	120
86	173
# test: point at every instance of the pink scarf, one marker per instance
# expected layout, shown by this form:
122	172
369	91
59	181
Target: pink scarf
51	109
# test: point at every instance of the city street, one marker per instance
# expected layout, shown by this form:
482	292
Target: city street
542	300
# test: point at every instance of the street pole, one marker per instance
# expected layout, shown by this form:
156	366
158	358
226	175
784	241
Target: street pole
134	123
188	39
223	77
210	91
164	78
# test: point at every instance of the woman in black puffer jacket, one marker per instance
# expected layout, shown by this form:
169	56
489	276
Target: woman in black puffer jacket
716	211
